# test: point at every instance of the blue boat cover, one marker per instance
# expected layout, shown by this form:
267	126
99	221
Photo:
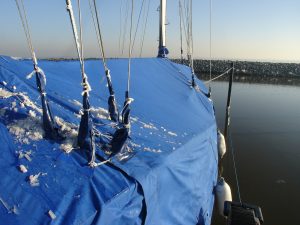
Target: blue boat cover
165	176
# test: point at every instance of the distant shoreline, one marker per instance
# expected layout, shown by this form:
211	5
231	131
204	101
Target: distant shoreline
246	68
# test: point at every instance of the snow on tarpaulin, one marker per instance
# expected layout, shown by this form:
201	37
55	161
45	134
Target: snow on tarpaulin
167	177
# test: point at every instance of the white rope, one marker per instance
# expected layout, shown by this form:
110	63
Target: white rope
93	164
217	77
37	70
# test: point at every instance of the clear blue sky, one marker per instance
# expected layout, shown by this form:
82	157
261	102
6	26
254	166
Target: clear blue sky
265	30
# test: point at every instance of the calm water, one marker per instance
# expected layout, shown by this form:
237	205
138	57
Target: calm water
265	126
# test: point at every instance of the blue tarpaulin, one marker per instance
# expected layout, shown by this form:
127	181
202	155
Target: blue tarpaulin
166	176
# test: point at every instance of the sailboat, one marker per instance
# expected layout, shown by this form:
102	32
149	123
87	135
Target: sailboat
81	157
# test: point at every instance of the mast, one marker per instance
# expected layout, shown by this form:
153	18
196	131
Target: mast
162	49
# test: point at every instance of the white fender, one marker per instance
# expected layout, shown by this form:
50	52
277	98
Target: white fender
221	145
223	193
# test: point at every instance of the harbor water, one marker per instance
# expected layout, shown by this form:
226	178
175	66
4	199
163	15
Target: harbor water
265	131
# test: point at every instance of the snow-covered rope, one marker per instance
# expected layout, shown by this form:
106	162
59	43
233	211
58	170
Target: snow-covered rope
112	104
93	164
85	138
49	125
219	76
78	42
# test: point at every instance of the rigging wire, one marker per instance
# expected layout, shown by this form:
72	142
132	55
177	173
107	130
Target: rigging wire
120	30
180	25
184	26
138	22
23	17
125	26
210	42
145	26
130	49
80	34
100	37
234	164
94	23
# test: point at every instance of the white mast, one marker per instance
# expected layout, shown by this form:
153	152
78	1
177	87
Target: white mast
162	50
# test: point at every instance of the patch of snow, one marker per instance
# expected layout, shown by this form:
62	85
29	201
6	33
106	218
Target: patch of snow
13	105
75	102
34	180
16	58
51	214
149	126
134	119
5	94
100	113
68	130
152	150
23	169
27	102
32	114
172	133
27	129
280	181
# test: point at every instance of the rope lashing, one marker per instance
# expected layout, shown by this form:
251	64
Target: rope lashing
49	125
85	134
120	137
112	104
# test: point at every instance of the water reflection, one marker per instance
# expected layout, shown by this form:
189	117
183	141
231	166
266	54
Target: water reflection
265	124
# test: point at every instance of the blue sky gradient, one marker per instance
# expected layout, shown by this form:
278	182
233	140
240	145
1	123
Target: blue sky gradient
261	30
